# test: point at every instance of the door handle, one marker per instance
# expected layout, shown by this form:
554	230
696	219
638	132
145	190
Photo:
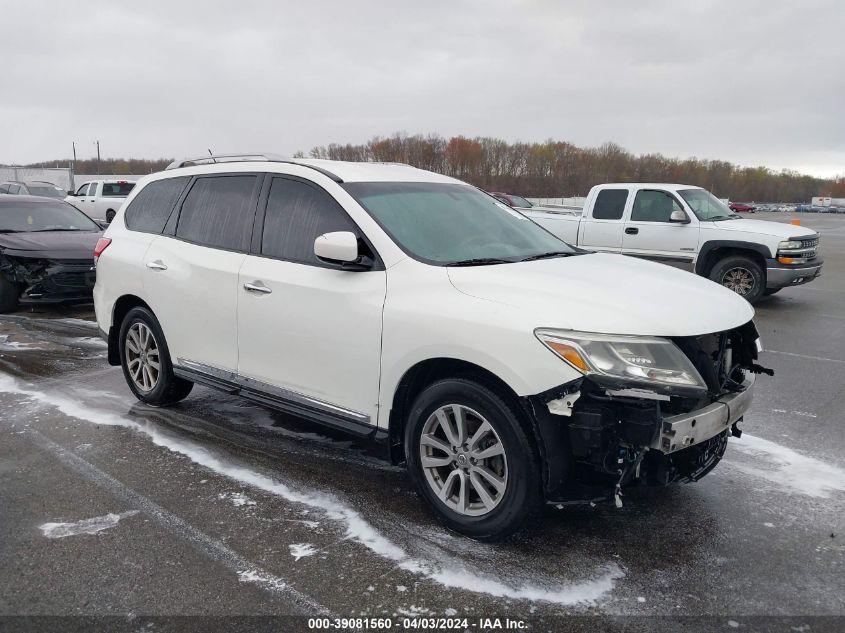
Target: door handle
632	230
156	265
257	286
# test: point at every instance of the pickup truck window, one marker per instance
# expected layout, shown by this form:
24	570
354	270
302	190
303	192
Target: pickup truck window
117	189
705	205
653	206
443	223
83	190
610	204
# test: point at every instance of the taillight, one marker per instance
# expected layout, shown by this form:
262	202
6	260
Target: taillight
102	244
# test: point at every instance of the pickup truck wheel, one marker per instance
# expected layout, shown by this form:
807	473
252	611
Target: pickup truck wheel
145	360
742	275
471	460
9	295
110	215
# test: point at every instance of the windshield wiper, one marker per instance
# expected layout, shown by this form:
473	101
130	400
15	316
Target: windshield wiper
52	230
548	255
480	261
725	217
11	231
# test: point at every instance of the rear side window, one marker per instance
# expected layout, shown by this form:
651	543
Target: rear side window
149	210
610	204
218	212
653	206
297	214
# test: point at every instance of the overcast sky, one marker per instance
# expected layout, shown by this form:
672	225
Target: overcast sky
753	82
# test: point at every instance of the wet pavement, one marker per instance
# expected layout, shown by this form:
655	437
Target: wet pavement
220	507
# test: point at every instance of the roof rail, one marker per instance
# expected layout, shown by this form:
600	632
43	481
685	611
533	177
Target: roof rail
252	156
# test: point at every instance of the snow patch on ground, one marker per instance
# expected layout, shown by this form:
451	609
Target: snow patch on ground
14	346
261	578
301	550
238	499
787	468
85	526
446	571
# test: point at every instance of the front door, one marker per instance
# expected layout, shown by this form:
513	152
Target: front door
650	234
309	333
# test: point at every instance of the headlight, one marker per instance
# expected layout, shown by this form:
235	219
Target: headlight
624	360
789	244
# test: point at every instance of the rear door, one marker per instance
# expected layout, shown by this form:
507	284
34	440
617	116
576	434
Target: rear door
651	235
309	330
191	272
602	229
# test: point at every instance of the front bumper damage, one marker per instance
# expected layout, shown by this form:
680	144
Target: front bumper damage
50	281
597	438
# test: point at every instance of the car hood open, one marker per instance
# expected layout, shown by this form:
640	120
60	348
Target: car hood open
612	294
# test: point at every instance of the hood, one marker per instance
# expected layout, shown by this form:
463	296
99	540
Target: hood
764	227
50	245
609	294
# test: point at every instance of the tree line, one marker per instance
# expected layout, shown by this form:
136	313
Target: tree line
560	169
548	169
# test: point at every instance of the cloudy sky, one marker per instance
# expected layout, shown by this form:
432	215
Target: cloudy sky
757	82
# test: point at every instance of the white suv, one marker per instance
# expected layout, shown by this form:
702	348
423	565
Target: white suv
507	368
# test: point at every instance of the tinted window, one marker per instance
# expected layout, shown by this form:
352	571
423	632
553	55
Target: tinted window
653	206
297	213
149	210
218	212
46	190
610	204
117	188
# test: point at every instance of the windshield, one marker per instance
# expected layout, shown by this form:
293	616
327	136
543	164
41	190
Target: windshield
521	202
444	223
705	205
49	191
117	189
47	215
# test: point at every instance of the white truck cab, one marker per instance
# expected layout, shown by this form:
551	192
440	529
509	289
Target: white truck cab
689	228
100	199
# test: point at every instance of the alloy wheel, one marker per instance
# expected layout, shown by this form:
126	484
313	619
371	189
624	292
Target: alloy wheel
142	357
738	279
464	460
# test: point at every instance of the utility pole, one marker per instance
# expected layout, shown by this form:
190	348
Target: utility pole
98	158
73	168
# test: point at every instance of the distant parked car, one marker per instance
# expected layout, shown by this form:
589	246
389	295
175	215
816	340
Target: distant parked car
46	252
518	202
100	199
32	188
742	207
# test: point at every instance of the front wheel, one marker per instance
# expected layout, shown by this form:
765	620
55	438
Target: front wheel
110	215
742	275
770	291
145	360
471	460
9	295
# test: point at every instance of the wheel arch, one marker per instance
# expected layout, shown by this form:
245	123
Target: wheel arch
121	307
713	251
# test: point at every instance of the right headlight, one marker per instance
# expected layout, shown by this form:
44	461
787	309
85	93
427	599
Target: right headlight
649	362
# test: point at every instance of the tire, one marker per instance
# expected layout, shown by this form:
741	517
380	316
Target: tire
742	275
110	215
513	500
768	292
158	387
9	295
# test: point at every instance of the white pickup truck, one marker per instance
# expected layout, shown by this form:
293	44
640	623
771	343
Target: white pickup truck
100	199
688	227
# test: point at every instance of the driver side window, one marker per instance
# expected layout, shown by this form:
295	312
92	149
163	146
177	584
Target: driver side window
654	206
83	190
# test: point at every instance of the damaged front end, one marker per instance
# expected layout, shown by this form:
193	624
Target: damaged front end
648	411
40	279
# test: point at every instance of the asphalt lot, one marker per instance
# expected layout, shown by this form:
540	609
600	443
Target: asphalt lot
219	507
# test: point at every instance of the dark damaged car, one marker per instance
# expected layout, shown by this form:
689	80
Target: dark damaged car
46	252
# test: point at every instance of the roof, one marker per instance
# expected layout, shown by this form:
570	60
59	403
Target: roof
656	185
12	200
30	182
343	171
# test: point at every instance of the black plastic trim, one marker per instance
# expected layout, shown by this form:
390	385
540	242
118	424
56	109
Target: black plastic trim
712	245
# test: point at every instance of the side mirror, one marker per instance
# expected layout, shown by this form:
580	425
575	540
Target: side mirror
341	247
679	216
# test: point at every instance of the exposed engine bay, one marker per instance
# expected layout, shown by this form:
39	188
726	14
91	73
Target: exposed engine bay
604	435
39	279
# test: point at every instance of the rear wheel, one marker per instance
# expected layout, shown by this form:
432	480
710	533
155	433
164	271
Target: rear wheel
110	215
471	460
145	359
9	295
742	275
